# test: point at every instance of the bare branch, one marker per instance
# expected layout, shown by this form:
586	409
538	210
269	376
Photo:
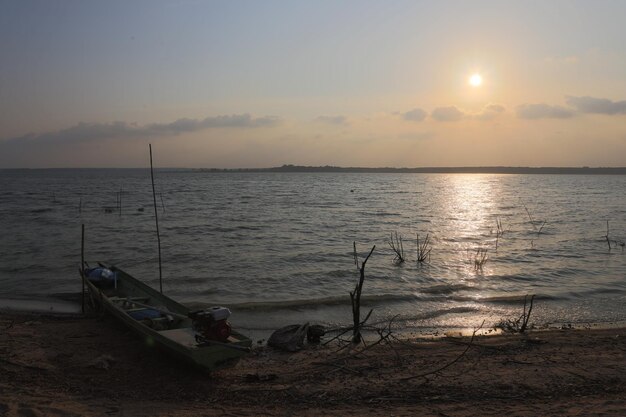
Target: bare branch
355	297
423	249
455	360
395	243
519	325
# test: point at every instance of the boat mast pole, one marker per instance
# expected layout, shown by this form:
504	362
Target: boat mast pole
82	266
156	218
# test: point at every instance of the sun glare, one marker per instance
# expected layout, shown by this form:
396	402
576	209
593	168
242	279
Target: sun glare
475	80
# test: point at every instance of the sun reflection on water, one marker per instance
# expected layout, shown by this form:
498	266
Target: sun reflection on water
468	209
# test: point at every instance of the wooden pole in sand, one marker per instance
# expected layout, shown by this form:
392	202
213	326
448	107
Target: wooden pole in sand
82	265
156	218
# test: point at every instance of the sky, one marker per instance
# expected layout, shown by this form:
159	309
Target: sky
251	84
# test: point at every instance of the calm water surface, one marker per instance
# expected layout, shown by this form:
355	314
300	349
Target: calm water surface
277	247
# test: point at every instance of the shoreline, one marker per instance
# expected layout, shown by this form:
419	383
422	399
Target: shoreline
70	365
68	305
39	305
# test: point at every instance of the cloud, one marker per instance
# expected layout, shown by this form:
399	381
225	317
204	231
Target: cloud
333	120
543	111
497	108
490	112
86	132
594	105
447	114
415	115
416	136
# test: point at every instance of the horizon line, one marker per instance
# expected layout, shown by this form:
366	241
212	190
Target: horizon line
487	169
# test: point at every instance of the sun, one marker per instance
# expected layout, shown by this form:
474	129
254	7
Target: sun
475	80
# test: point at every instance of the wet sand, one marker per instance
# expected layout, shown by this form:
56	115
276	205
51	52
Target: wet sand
74	366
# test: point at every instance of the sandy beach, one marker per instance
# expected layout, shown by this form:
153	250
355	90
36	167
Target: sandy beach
75	366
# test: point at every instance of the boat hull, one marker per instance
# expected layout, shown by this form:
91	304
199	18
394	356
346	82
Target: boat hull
176	337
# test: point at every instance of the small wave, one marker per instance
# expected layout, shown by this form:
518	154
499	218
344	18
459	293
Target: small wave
518	299
378	213
442	312
25	268
249	228
318	302
41	210
385	214
340	273
445	289
208	291
514	278
617	289
221	229
613	291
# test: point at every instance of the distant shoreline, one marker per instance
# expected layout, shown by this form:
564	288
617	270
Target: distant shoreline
434	170
382	170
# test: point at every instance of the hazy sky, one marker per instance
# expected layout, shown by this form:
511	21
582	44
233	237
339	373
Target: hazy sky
351	83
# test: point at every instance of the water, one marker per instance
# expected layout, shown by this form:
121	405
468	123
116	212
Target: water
277	247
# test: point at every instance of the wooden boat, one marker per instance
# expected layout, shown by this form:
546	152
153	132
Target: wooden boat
163	322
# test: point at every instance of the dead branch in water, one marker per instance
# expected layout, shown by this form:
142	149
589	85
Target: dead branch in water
355	297
499	231
519	325
538	232
479	258
423	249
609	240
395	243
532	222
